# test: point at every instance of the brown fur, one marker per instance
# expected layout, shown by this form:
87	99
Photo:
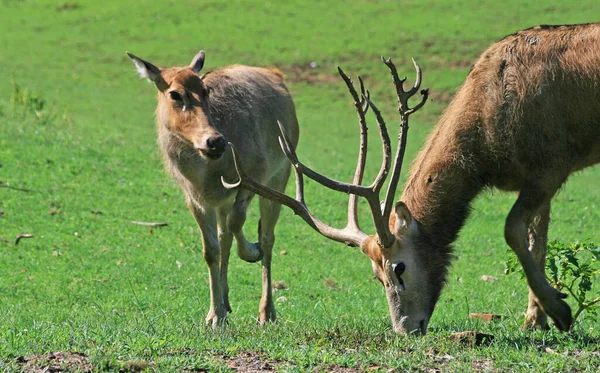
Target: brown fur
527	116
235	98
241	104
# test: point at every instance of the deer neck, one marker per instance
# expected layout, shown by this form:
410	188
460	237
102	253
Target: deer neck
445	178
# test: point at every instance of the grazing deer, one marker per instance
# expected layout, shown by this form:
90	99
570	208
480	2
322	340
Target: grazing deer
527	116
196	116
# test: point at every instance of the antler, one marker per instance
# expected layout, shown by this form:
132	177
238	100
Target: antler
361	109
405	112
351	234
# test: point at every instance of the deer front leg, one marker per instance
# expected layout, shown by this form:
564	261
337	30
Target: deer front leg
521	215
250	252
225	241
207	222
538	241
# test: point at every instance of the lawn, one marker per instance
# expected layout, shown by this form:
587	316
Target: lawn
90	291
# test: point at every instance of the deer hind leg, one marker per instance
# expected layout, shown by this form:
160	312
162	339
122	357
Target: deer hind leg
531	200
538	241
225	241
250	252
207	222
269	214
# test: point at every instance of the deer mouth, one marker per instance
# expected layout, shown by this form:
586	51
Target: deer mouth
211	154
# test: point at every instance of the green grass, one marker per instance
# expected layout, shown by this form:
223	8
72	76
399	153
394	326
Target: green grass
77	172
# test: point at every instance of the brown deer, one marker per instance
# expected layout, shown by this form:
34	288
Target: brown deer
196	117
527	116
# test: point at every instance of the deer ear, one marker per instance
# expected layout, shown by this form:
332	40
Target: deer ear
198	62
404	219
146	70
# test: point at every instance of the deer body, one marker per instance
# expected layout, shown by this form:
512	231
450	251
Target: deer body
197	115
526	111
527	116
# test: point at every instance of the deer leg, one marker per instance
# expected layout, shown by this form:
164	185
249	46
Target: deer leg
207	222
538	240
269	214
526	208
225	241
250	252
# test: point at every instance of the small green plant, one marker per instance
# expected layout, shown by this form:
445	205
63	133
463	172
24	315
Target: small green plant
27	104
570	268
26	100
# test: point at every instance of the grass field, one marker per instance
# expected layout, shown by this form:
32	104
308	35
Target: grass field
78	162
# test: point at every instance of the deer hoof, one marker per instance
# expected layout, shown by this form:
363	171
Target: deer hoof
252	253
267	317
214	321
561	315
532	322
535	318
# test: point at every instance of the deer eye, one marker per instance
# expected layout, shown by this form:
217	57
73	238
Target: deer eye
175	96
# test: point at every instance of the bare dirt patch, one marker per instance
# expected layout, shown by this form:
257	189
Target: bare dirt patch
449	64
442	97
332	284
305	73
250	362
246	362
55	362
484	365
472	338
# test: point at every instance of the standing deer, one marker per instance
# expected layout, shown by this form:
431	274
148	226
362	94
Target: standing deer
527	116
196	116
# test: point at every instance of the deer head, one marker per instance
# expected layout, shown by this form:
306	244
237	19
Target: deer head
183	104
394	260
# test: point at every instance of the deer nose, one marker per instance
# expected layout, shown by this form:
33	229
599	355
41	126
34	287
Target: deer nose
216	146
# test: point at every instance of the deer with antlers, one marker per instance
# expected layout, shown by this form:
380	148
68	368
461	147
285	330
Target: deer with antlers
527	116
197	114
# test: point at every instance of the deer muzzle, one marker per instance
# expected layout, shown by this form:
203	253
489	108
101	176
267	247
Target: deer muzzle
213	147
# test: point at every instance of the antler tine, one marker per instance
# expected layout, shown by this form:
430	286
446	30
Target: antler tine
364	94
361	107
386	148
405	112
386	238
339	186
424	96
351	237
290	153
417	83
415	88
403	95
399	83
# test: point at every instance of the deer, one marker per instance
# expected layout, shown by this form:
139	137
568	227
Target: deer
197	116
526	117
